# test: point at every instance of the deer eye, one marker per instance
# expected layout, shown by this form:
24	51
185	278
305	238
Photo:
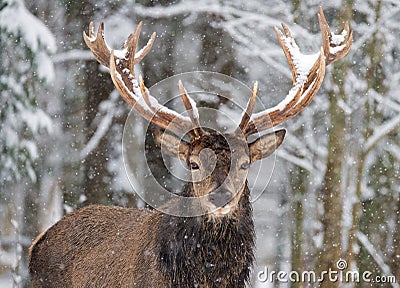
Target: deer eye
194	165
245	166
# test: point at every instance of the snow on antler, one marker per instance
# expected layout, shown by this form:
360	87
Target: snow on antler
308	72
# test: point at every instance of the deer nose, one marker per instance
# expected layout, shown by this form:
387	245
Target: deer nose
220	198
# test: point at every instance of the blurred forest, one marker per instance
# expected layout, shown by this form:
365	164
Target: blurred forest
335	192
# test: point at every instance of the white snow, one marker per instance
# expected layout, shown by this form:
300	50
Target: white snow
117	27
376	255
385	100
300	162
31	147
72	55
121	54
381	131
33	31
137	96
126	71
336	49
36	120
302	62
338	39
45	68
101	131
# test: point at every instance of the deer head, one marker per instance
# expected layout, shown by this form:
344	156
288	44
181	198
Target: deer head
219	162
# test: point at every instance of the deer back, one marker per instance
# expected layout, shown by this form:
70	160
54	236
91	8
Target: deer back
95	246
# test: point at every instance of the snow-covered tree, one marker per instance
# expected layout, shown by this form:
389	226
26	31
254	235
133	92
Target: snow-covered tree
25	45
26	69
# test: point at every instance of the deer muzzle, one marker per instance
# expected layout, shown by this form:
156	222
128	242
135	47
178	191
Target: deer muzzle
220	198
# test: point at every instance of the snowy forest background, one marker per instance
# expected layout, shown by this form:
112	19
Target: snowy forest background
335	190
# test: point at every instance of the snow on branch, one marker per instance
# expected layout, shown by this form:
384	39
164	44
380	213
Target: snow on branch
72	55
393	149
381	131
384	100
270	57
301	162
378	26
237	23
102	128
17	19
190	7
376	255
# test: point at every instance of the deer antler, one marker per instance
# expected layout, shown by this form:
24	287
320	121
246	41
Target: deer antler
191	107
121	64
249	108
308	71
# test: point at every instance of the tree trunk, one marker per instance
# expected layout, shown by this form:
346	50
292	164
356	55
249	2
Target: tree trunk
331	193
299	188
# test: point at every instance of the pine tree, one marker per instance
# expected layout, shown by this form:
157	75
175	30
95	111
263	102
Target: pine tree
25	44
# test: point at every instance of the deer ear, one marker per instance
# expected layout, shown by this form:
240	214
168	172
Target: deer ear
171	144
266	145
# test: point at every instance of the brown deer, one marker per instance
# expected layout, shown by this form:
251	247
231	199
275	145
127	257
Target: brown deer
100	246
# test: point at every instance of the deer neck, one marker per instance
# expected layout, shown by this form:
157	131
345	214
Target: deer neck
198	246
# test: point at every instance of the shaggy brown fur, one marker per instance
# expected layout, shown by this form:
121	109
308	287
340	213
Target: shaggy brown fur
121	247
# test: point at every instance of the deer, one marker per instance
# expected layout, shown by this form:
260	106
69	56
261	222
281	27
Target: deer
110	246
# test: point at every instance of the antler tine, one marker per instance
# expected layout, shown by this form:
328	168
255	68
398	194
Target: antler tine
249	109
121	64
145	93
285	49
146	49
102	52
191	108
131	45
98	45
335	46
306	80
